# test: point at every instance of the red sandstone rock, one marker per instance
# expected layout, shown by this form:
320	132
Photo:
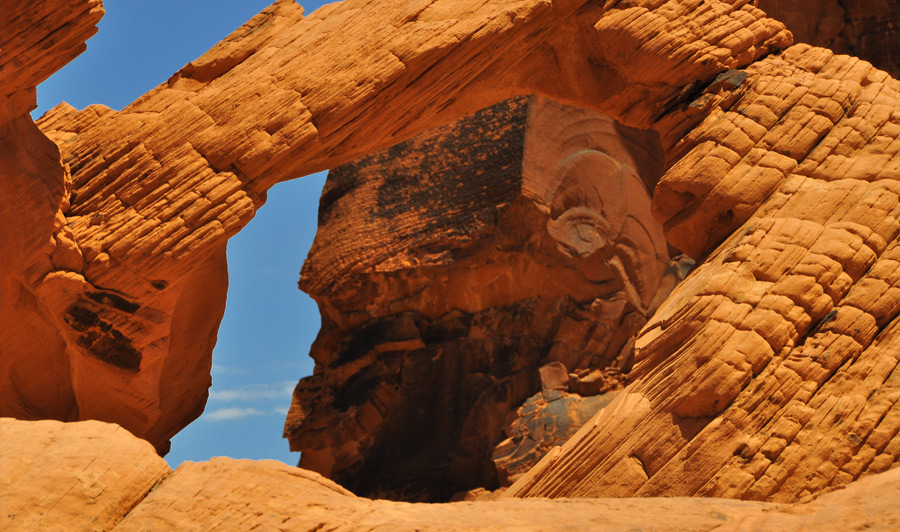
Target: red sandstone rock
459	273
769	373
869	29
137	293
72	476
75	483
37	39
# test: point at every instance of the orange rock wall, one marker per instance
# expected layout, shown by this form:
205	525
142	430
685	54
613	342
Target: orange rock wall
35	376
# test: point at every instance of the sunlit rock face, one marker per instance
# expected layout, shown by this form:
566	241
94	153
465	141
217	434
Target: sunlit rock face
449	268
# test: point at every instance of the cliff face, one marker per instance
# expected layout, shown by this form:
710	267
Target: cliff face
770	372
449	268
133	302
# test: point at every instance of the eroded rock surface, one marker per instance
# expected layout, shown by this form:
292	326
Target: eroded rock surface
68	476
869	30
451	267
72	476
37	40
132	302
772	371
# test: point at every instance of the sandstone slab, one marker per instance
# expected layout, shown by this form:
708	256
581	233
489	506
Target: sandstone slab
72	476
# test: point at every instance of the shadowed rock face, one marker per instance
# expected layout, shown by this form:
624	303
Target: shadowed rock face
869	29
449	268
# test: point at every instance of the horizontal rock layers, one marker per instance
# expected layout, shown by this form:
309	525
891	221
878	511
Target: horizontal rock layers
449	268
226	494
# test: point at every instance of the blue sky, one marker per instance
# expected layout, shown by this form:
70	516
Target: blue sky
264	339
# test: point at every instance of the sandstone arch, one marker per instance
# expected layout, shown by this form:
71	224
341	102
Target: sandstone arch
764	148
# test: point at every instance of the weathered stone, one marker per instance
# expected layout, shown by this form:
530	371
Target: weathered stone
867	29
72	476
769	373
546	420
772	371
158	187
462	271
88	476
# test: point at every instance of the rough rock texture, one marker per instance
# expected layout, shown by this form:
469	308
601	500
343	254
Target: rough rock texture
70	464
449	268
772	371
133	300
72	476
868	29
36	40
547	419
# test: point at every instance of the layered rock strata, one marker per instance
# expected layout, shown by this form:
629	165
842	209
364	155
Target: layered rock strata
72	463
37	40
449	268
136	293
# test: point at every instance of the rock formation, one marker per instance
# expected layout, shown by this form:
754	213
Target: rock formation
769	373
869	30
72	476
449	268
237	495
34	374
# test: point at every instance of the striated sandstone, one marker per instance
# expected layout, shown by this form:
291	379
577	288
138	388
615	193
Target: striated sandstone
769	373
136	294
449	268
772	371
37	40
225	494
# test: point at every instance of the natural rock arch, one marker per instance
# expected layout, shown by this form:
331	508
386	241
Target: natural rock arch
758	141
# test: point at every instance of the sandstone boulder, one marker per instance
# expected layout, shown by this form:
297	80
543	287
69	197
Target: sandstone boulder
72	476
